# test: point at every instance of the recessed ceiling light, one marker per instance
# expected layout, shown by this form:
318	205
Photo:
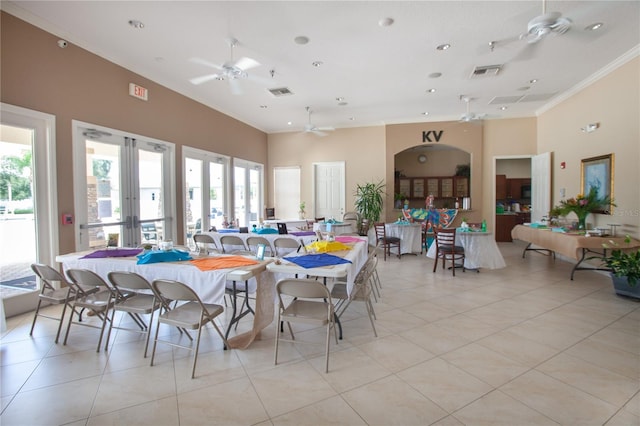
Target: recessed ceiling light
432	90
435	75
316	64
136	24
533	80
594	27
264	106
339	99
425	113
301	40
443	46
385	22
352	118
503	108
289	123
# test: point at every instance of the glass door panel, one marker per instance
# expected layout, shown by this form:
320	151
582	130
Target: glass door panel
217	194
240	207
150	190
254	196
104	224
193	201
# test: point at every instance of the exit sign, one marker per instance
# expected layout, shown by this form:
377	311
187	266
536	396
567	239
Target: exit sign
138	92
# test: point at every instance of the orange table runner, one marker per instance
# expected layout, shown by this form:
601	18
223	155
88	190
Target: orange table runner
222	262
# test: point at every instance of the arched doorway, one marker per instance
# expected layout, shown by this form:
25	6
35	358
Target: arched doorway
440	170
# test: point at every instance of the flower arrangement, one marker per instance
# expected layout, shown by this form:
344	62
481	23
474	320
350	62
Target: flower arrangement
581	205
302	211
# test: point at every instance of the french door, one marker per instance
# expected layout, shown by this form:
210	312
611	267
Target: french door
206	202
248	180
28	203
123	189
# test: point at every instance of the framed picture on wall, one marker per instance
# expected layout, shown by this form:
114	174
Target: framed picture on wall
597	172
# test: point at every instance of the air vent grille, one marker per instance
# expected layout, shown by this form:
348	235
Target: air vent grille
280	91
537	98
501	100
486	71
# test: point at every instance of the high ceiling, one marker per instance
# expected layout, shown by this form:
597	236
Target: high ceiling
370	72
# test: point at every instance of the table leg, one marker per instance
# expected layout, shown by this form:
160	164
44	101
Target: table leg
600	255
543	251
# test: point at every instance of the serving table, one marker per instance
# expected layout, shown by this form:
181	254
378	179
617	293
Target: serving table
572	245
480	250
209	285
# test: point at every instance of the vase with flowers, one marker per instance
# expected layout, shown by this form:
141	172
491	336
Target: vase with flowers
581	206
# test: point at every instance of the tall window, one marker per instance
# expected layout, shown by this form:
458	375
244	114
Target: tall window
205	203
124	190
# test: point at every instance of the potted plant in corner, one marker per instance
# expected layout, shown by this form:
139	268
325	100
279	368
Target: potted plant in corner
625	269
369	200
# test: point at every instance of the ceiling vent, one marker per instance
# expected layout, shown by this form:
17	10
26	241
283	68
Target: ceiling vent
538	98
280	91
501	100
486	71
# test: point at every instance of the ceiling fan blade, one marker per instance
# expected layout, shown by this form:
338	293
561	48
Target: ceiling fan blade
235	86
246	63
325	129
204	78
318	133
206	63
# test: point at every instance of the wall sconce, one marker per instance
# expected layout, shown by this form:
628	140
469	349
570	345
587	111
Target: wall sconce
591	127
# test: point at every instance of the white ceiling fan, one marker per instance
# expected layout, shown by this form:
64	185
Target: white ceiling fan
549	23
312	128
538	28
469	116
231	71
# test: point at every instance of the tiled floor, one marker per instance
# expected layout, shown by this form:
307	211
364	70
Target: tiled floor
518	346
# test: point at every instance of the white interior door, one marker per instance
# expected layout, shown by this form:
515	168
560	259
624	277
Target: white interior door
329	189
540	186
286	184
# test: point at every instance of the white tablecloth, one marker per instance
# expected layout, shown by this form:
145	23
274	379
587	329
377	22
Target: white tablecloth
292	224
305	239
209	285
357	255
480	250
410	236
336	228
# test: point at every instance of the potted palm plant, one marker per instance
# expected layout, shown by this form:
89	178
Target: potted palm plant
625	269
369	200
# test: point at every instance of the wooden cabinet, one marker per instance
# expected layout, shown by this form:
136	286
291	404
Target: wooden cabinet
514	187
504	225
440	187
417	190
433	187
461	186
501	187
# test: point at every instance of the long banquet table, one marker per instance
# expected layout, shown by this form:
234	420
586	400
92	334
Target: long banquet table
209	285
572	245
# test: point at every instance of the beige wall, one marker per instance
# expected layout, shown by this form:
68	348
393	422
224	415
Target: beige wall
72	83
503	139
464	136
362	149
614	102
441	162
